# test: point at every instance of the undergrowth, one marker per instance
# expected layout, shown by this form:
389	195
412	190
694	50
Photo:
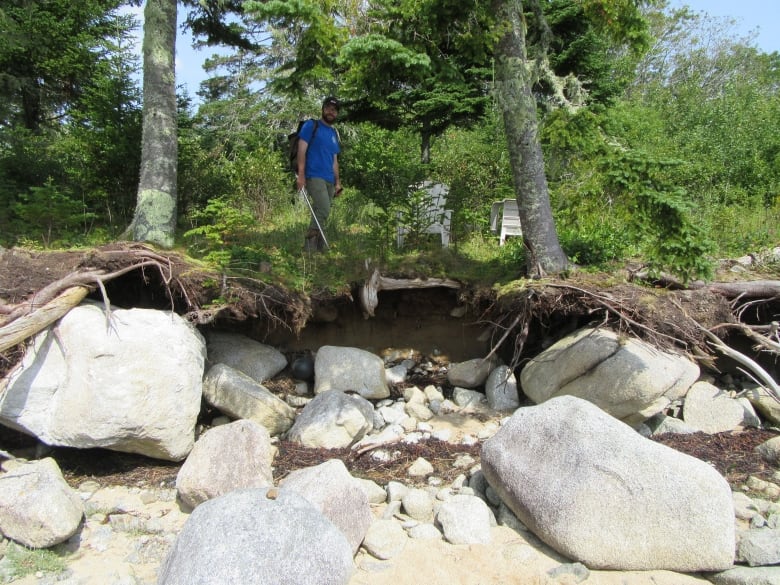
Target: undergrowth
20	561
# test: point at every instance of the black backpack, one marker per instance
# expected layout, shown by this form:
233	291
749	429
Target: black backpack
292	141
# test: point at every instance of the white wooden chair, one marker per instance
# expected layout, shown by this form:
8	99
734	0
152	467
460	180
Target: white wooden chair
435	217
509	217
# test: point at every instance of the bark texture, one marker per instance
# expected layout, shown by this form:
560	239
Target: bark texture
155	213
518	107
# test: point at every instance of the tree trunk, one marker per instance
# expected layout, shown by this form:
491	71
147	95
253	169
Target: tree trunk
518	107
425	143
155	213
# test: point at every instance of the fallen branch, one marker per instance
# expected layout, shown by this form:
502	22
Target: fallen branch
506	334
763	343
25	327
369	294
750	289
761	375
366	447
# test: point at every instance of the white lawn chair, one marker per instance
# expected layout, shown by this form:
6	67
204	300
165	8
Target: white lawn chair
510	219
436	218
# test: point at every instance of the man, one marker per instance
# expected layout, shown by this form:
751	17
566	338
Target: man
318	169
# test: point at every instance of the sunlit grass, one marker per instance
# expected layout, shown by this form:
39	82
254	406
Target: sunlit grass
20	561
362	238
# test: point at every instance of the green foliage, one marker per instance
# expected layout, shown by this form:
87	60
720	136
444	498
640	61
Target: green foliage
222	228
49	53
70	120
595	242
474	163
20	562
51	213
674	242
665	228
382	164
589	45
417	213
696	129
313	28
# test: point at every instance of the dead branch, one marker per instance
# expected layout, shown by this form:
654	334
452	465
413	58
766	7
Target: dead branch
55	300
366	447
750	289
28	325
755	371
504	336
763	343
761	375
369	293
86	279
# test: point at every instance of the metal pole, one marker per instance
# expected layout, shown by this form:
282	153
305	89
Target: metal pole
305	195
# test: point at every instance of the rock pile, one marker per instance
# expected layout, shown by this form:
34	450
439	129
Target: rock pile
566	491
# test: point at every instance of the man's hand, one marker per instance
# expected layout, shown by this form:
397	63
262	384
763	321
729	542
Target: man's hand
300	182
339	189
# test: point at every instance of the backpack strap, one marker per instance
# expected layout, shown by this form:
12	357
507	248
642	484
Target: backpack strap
314	132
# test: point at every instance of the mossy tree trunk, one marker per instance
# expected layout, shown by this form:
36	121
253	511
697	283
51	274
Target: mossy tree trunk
513	89
155	214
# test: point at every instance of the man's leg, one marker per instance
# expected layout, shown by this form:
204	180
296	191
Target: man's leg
321	196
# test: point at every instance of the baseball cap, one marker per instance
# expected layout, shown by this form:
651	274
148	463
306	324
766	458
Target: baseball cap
332	101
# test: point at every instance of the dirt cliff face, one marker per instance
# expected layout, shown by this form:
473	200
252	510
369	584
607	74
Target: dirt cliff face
516	323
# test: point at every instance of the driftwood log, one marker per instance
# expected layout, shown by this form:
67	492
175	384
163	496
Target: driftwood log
369	294
24	327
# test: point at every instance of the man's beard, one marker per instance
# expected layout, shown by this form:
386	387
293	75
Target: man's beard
329	118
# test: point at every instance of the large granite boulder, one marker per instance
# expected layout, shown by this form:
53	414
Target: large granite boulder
129	380
599	493
260	536
349	369
627	378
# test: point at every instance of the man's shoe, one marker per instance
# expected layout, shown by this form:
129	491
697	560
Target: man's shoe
312	241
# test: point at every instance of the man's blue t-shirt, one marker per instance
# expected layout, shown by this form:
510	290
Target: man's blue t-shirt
319	156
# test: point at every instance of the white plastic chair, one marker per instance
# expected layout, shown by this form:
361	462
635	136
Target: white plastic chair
510	219
435	216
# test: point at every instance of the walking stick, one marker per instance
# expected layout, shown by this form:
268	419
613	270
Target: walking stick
305	195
